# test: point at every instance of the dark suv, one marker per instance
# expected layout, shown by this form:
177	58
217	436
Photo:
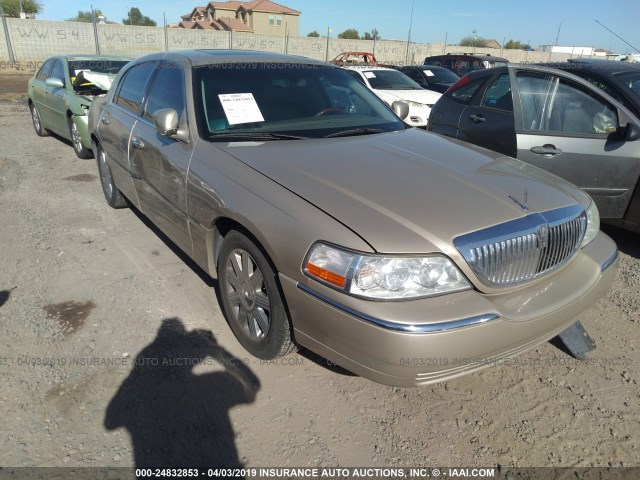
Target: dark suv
463	63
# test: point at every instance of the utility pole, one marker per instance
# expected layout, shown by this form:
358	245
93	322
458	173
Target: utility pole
326	54
406	57
556	42
475	36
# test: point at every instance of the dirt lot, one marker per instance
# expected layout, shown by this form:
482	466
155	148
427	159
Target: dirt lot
90	296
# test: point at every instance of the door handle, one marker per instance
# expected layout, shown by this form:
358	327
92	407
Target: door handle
137	143
104	119
546	150
477	118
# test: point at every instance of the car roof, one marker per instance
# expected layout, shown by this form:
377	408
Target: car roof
609	66
204	57
368	67
427	67
84	58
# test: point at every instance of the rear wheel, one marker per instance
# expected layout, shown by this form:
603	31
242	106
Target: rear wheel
251	300
76	140
114	198
37	121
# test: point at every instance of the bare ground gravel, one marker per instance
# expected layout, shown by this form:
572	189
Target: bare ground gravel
89	296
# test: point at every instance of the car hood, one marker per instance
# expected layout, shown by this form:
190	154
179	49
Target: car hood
408	191
425	97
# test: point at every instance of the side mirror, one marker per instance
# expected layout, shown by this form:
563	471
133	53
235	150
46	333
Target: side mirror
167	124
629	133
400	108
54	82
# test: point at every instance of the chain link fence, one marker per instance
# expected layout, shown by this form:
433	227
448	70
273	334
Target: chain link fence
24	44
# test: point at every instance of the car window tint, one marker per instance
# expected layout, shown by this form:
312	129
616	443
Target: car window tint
133	86
498	95
555	104
464	93
43	74
167	91
58	71
631	80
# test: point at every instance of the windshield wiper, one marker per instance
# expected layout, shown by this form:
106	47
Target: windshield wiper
257	136
354	132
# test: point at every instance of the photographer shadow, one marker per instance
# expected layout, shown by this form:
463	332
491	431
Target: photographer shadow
177	419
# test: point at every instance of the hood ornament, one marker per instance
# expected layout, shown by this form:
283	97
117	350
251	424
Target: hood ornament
524	205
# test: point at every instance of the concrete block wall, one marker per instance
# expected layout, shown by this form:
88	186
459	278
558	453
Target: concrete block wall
35	40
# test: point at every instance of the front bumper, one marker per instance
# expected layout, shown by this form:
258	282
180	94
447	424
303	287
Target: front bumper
425	341
418	116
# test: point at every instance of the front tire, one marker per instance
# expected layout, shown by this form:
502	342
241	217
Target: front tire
114	197
251	300
81	151
37	121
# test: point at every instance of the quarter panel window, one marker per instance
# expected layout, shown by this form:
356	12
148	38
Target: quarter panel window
134	85
464	93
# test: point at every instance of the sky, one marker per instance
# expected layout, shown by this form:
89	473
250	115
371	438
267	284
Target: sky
533	22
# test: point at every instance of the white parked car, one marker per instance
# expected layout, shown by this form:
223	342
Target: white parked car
391	85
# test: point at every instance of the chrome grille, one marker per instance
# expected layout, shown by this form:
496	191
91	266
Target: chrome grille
524	249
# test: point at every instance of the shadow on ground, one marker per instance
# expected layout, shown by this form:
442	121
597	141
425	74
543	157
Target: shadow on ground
628	242
175	417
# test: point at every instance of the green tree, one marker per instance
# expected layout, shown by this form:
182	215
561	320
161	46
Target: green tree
85	17
472	42
516	45
135	17
12	7
374	35
313	34
350	33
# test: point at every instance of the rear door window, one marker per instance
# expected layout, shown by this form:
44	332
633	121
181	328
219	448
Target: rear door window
498	94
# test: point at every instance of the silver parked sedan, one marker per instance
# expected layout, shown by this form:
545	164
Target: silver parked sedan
405	257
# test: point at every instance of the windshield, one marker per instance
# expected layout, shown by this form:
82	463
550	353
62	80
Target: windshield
631	80
274	101
96	66
440	75
390	80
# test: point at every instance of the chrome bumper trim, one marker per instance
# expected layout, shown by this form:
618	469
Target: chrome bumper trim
610	261
403	327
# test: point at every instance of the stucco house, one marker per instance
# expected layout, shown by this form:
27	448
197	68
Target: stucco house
257	16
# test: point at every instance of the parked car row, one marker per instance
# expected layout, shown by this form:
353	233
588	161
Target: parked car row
569	125
331	224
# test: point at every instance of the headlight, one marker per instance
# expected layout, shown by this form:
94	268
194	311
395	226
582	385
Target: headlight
593	223
384	277
85	107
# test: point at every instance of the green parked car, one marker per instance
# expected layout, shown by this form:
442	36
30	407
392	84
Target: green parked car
60	95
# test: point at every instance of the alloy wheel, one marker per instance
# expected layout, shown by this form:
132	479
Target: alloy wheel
247	295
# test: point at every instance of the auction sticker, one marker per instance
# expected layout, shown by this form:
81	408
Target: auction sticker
240	108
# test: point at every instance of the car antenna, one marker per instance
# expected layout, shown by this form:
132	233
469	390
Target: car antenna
618	36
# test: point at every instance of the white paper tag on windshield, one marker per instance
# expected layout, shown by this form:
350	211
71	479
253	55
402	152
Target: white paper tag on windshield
429	73
240	108
369	74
